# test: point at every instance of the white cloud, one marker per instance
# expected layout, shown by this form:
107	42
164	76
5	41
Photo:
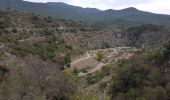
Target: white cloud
156	6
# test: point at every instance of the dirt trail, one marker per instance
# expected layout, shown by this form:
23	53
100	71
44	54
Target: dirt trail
112	55
1	45
87	57
31	38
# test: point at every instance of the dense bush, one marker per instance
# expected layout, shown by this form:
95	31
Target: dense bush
98	75
105	45
59	52
89	96
35	18
72	75
14	30
143	77
5	23
157	93
100	56
3	71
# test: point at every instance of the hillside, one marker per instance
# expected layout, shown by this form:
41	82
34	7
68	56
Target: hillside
144	76
45	58
124	17
26	27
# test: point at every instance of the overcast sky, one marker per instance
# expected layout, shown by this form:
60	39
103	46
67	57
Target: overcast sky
156	6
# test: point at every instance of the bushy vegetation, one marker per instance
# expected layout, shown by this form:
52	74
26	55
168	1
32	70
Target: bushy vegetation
34	48
143	77
98	75
105	45
5	23
35	18
33	79
72	75
3	71
89	96
100	56
50	50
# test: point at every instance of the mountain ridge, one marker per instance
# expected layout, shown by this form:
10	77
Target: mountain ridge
125	17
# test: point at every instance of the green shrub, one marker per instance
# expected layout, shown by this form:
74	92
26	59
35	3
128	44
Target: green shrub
105	45
168	89
166	51
146	75
91	79
14	30
71	75
156	55
89	96
35	18
155	77
102	73
100	56
5	23
98	75
47	31
158	93
131	94
128	76
75	71
3	71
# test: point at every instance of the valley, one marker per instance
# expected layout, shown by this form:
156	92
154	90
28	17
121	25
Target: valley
44	57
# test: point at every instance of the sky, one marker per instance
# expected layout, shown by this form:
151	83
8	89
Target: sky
155	6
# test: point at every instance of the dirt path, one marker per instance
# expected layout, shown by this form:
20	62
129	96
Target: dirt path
2	45
87	57
95	51
31	38
91	65
98	67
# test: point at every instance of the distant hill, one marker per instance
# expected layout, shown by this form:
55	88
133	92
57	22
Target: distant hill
125	17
